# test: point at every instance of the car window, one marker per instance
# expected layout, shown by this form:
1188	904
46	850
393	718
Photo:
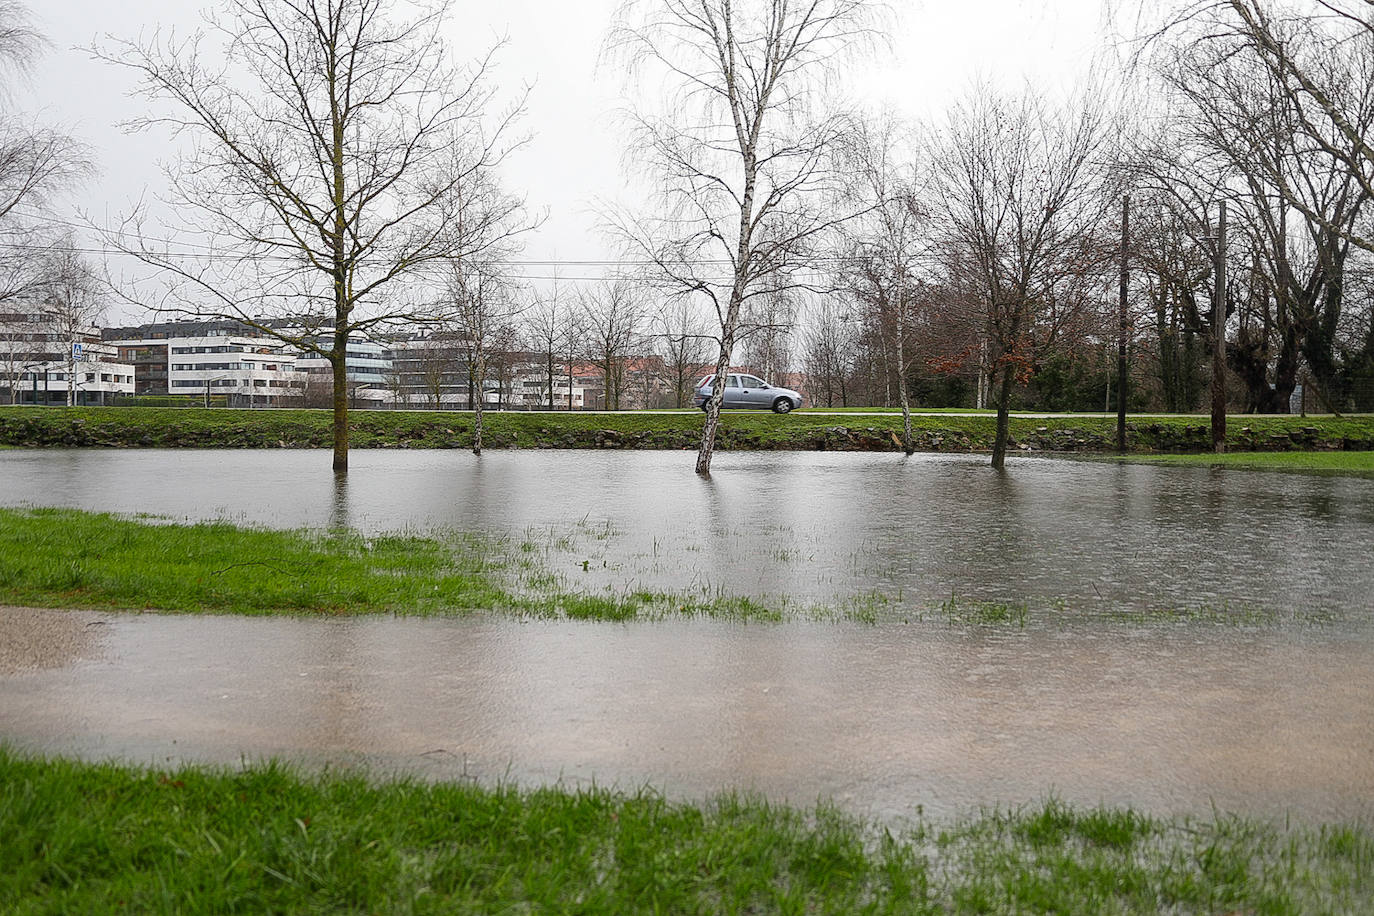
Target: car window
733	382
751	381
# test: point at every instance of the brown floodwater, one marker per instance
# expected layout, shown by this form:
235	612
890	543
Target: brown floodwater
881	719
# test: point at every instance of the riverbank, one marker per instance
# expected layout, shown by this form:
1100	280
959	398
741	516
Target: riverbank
94	838
147	427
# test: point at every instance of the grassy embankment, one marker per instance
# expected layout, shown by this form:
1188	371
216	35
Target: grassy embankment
97	838
740	430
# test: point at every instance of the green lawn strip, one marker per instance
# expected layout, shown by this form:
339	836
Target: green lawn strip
145	427
1337	463
103	838
74	559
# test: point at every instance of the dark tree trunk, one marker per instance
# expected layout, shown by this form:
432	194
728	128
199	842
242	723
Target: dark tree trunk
999	442
338	361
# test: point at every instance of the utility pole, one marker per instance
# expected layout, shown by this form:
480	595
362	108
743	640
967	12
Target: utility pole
1121	331
1219	343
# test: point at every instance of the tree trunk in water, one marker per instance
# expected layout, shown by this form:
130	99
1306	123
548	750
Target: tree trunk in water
477	408
999	443
708	429
339	364
908	442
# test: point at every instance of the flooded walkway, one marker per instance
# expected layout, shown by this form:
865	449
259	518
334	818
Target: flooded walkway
880	719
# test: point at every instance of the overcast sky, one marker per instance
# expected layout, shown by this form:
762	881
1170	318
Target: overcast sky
574	157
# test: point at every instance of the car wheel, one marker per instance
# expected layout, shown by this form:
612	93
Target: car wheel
782	405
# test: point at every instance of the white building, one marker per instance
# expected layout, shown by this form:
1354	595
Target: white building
370	379
221	367
45	360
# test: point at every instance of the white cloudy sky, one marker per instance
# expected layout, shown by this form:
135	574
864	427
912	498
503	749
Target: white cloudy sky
939	47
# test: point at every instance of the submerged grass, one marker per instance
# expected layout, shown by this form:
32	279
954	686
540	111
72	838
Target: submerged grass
74	559
97	838
68	558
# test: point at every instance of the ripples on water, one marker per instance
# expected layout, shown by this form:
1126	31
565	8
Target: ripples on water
810	526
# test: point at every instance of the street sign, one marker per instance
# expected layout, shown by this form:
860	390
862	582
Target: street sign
76	352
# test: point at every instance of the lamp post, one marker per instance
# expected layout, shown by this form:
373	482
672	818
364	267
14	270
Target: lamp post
1124	328
33	369
209	382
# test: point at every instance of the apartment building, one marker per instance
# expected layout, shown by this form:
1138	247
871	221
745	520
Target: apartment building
221	362
47	358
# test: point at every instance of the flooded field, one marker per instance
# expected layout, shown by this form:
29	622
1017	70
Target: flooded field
1271	717
811	526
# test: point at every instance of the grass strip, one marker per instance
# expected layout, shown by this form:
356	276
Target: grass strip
848	430
1357	464
103	838
67	558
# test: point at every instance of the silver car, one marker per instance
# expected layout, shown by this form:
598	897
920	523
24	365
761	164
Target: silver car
749	391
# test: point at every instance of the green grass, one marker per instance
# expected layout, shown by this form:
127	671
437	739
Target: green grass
69	558
958	610
105	838
1358	464
845	429
72	559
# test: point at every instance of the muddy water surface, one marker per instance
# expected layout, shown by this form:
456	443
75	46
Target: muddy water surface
880	719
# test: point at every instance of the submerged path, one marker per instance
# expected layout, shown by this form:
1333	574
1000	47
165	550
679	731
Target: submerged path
880	719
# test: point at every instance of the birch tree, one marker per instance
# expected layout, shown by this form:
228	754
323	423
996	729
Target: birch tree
742	158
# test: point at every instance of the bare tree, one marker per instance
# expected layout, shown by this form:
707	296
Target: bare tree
767	340
36	162
1320	58
830	344
548	325
1022	187
612	317
886	241
72	304
484	310
331	146
743	159
1293	214
682	339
